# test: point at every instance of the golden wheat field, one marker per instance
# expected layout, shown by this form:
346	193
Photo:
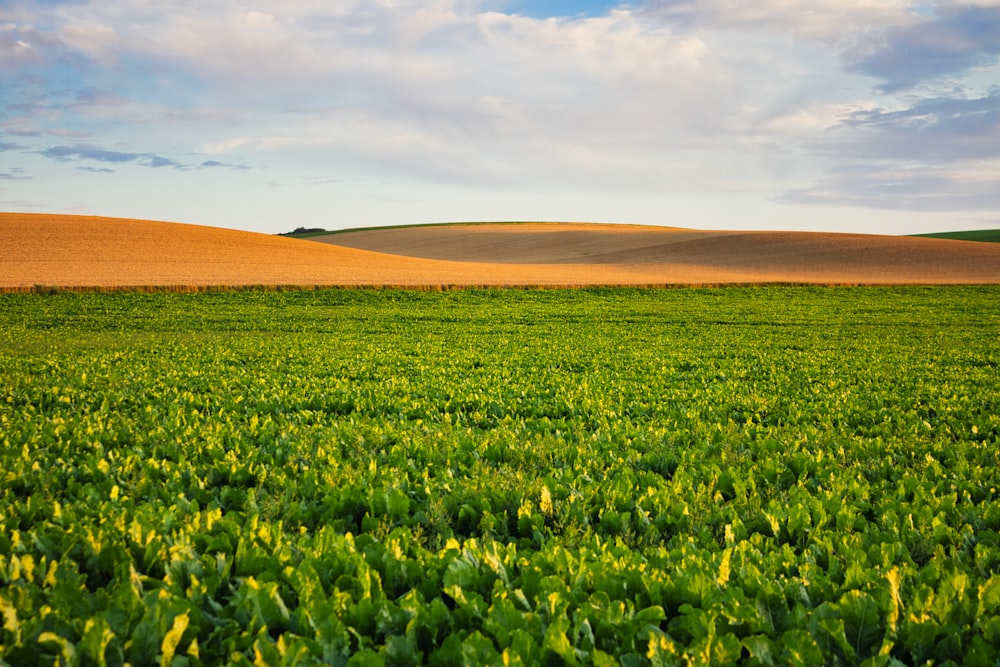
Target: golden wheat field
65	251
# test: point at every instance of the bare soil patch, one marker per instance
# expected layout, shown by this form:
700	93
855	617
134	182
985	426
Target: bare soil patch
39	250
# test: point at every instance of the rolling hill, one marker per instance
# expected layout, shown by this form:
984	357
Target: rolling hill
40	251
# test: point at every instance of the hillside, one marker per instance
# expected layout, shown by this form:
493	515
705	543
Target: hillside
40	250
667	254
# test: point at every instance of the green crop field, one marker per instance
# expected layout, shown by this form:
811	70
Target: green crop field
761	476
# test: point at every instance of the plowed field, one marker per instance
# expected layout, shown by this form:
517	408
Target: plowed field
39	250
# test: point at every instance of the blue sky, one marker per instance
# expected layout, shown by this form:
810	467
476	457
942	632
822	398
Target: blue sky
556	8
835	115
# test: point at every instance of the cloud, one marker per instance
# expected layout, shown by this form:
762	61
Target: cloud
91	152
935	130
21	131
657	98
916	188
471	98
39	102
88	152
156	162
8	146
892	40
22	45
92	99
938	154
224	146
313	181
63	133
957	37
837	23
96	170
214	164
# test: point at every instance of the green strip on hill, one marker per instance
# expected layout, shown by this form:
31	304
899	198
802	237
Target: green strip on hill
988	235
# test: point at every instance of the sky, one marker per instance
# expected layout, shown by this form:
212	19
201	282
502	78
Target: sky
875	116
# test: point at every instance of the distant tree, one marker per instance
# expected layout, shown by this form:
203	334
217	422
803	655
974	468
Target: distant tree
303	230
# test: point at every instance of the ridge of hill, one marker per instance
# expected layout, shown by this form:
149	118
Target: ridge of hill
39	251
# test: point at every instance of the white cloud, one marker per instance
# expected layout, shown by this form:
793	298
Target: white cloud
22	45
955	38
908	188
835	22
433	91
902	42
940	131
224	146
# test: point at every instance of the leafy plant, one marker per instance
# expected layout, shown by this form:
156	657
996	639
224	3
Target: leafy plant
738	476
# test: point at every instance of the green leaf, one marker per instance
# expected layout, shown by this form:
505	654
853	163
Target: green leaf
306	583
173	638
662	651
399	652
502	619
989	597
715	649
366	658
862	623
462	572
252	559
59	645
799	648
398	504
557	641
266	604
526	648
834	630
980	653
763	650
97	635
479	650
650	616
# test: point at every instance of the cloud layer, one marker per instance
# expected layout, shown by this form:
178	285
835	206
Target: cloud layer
954	39
787	101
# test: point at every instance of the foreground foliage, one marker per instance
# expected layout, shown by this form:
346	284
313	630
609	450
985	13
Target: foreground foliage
743	476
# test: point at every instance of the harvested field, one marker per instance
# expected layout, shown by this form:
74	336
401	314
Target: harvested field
712	256
92	252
